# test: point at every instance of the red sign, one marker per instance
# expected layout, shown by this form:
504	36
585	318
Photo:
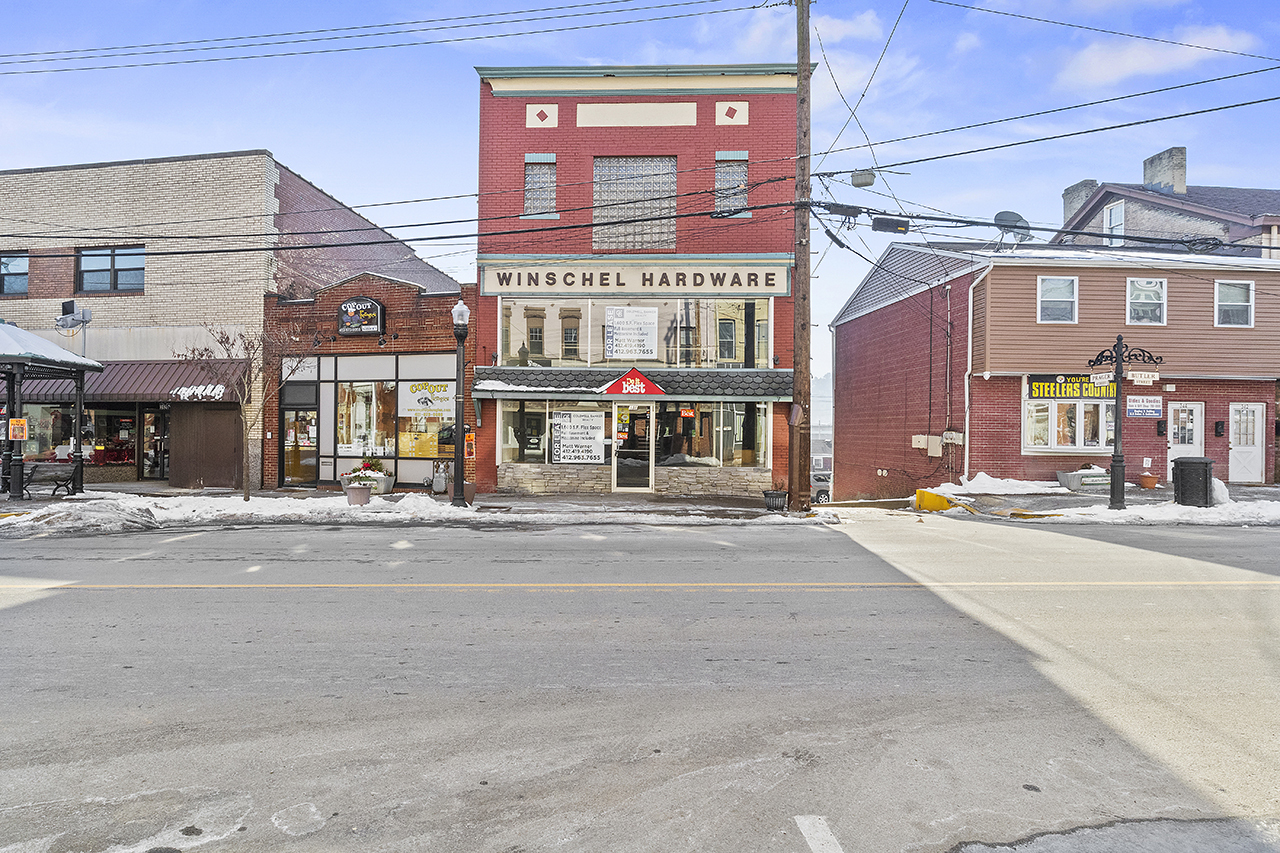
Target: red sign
688	413
634	382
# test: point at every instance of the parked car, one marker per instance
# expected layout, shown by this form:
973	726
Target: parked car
819	488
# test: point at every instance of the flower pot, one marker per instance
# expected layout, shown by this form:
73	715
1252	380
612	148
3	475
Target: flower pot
468	492
1148	481
358	493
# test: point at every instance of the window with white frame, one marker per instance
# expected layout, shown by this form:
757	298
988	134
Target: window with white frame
13	273
540	185
731	183
1056	299
727	339
634	203
1233	303
1077	426
1113	223
1147	301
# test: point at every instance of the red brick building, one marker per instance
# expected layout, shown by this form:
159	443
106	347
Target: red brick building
635	255
378	379
950	361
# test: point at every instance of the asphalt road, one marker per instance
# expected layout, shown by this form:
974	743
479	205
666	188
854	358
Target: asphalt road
893	683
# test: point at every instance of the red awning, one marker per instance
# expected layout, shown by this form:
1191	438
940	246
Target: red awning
169	381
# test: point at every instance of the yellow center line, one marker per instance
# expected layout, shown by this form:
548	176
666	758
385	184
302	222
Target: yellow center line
663	585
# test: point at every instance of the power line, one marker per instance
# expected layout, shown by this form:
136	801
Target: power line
313	32
1105	31
421	43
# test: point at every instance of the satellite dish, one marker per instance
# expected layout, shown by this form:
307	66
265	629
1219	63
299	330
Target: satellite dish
1011	223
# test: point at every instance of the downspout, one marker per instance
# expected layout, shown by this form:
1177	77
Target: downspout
968	373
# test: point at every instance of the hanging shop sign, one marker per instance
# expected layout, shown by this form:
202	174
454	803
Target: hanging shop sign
1143	377
631	332
578	437
1060	386
1143	406
361	316
634	382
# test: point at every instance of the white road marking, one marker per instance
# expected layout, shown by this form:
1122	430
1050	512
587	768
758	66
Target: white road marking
253	569
815	831
185	536
402	544
134	557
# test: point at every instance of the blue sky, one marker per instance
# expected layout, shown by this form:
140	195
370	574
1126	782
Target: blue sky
394	124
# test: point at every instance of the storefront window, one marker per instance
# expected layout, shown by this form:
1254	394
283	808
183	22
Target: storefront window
1077	425
49	432
654	333
524	431
426	409
366	418
114	438
711	434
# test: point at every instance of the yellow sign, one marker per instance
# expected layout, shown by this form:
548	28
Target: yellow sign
17	429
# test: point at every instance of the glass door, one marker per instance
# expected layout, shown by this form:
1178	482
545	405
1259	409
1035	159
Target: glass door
299	452
155	444
633	447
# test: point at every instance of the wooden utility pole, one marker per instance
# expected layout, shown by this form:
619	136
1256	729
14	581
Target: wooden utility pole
798	469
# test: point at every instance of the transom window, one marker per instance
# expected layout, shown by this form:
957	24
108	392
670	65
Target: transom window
1233	303
1056	299
115	268
13	273
634	203
1147	301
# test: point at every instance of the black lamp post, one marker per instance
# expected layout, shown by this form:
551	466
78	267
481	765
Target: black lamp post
461	315
1118	356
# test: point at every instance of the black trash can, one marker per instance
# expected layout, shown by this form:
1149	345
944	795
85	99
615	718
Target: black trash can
1193	481
775	501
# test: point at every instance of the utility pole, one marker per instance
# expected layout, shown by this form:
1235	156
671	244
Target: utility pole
798	468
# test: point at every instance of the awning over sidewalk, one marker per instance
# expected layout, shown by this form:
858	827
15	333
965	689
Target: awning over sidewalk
136	382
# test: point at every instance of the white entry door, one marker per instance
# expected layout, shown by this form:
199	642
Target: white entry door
1247	454
1186	432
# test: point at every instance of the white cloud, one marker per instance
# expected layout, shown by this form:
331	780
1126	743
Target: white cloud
864	26
965	43
1107	62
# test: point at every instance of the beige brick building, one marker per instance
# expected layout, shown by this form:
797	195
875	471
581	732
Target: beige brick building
157	250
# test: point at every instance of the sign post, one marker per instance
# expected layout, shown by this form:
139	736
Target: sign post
1118	356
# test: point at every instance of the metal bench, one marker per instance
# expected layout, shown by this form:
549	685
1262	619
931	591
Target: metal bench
61	475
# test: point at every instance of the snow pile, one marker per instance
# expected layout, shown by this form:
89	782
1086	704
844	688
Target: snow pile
983	484
114	512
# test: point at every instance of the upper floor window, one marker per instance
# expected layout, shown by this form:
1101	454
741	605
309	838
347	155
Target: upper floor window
634	203
1233	303
731	183
1147	301
1056	299
540	185
1113	223
728	340
114	268
13	273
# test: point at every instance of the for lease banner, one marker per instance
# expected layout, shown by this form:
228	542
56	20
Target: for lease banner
578	437
631	332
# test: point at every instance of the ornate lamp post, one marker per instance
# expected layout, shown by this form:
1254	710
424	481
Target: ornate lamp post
461	316
1118	356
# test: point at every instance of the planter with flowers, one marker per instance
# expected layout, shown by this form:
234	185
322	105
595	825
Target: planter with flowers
369	473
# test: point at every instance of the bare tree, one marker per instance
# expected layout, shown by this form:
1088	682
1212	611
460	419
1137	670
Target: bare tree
253	365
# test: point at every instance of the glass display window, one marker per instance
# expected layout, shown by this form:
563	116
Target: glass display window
366	418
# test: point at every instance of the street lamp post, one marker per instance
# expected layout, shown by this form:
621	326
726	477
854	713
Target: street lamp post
1119	355
461	316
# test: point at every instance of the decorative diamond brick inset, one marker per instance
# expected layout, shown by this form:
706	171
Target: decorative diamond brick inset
731	112
542	115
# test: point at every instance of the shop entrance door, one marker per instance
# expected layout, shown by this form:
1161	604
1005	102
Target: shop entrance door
300	450
1186	432
155	444
633	447
1245	458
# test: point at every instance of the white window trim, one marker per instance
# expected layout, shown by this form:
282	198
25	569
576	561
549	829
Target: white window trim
1216	304
1075	319
1107	216
1164	303
1052	448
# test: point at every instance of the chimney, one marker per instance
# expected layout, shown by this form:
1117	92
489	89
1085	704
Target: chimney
1074	197
1166	172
